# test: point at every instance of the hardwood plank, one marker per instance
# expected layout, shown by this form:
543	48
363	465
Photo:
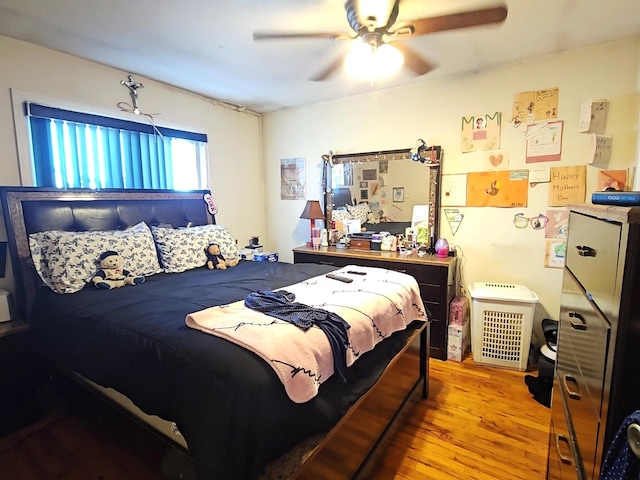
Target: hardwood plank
479	423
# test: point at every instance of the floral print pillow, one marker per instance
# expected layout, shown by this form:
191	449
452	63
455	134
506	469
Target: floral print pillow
66	261
183	249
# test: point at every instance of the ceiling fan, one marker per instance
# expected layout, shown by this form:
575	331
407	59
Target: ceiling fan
377	26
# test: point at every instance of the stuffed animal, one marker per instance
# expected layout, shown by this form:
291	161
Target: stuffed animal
112	275
215	259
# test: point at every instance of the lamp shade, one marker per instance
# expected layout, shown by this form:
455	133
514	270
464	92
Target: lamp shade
312	210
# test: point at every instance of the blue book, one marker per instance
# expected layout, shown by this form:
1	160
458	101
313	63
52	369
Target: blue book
622	199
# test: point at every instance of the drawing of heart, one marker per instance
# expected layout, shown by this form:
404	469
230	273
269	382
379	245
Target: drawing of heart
495	160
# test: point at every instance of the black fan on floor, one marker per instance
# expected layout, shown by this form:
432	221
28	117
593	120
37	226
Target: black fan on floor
376	32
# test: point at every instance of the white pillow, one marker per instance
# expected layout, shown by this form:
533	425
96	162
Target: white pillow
67	261
184	248
359	212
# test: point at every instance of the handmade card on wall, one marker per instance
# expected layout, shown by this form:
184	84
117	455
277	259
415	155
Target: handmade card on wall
593	116
568	184
555	234
546	144
292	179
616	179
599	149
503	188
498	160
534	106
480	132
454	190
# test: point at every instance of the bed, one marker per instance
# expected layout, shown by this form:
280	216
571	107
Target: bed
221	402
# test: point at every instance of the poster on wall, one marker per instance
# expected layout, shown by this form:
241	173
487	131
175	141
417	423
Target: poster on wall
534	106
480	132
546	144
292	179
568	184
503	188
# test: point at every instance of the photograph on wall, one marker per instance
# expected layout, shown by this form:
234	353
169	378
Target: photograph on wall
292	179
568	184
383	166
364	194
502	188
546	144
480	132
364	184
534	106
369	174
398	194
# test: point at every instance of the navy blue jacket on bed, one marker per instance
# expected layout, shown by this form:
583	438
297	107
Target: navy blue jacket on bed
281	305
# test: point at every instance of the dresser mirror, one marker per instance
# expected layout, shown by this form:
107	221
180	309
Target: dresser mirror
391	182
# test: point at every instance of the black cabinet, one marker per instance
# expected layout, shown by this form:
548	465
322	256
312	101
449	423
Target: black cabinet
596	379
433	274
18	402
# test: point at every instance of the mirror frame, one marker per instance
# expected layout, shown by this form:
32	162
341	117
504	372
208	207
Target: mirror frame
433	162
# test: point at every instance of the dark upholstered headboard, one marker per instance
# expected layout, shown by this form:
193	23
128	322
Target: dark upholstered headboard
29	209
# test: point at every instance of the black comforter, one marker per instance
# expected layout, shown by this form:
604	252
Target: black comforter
227	402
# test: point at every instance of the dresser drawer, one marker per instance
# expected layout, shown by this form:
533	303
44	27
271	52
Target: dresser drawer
581	407
592	256
563	462
585	333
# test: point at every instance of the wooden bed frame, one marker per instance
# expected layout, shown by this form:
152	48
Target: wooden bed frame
357	438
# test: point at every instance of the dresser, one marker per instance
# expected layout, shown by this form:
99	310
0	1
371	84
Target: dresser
597	376
435	277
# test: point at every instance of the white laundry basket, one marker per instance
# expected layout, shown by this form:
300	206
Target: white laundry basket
501	324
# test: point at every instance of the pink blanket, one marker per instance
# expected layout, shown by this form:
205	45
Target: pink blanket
375	305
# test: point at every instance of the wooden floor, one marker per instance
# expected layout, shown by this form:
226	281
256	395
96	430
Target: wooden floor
478	423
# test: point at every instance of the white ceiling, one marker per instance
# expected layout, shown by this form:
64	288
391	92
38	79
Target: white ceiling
207	46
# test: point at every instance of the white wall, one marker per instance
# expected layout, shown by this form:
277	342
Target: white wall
493	249
234	149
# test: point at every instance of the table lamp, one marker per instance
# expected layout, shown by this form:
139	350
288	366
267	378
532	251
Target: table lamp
313	212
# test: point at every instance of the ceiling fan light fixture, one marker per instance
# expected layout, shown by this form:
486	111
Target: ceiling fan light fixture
360	60
367	62
388	60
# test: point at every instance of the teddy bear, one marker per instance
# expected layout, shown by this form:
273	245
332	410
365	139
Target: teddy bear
215	259
112	275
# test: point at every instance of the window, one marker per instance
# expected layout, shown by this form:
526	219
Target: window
79	150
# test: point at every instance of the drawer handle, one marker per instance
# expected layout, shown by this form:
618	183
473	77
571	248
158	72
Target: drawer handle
321	262
585	251
574	395
581	325
563	459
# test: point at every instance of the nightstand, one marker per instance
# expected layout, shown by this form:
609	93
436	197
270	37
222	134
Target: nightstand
18	402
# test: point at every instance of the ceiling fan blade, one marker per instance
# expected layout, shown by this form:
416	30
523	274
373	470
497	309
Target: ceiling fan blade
329	70
281	36
455	20
413	61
